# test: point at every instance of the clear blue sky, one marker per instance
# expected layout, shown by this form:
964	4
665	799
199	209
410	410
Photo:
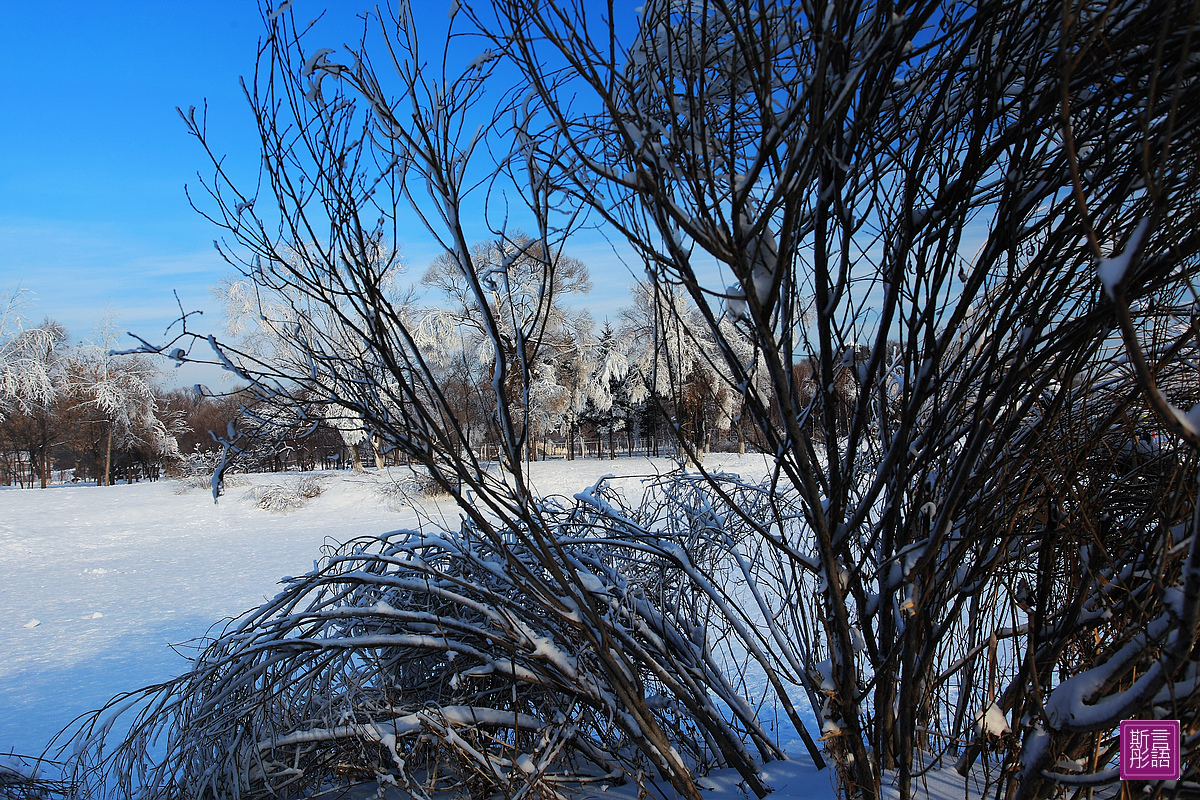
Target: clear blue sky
94	158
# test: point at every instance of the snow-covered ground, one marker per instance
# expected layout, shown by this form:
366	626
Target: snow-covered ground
96	583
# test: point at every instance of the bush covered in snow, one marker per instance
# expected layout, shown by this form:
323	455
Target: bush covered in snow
27	778
392	493
197	472
451	660
285	497
424	484
399	488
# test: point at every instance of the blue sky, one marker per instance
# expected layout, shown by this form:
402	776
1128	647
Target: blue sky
94	157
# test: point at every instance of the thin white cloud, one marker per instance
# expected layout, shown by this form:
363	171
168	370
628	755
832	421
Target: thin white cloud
77	269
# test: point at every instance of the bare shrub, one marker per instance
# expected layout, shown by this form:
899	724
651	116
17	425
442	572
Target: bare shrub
393	493
425	484
424	660
27	778
284	497
196	472
404	487
203	481
309	486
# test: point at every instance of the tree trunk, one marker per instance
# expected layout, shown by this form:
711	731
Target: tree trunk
108	460
377	448
45	453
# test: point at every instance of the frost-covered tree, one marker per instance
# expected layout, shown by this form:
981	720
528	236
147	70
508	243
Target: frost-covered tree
526	291
681	367
28	359
33	379
611	392
52	395
576	369
113	403
277	323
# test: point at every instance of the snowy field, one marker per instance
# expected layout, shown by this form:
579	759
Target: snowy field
97	583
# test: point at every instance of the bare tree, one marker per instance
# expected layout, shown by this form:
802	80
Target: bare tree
946	176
